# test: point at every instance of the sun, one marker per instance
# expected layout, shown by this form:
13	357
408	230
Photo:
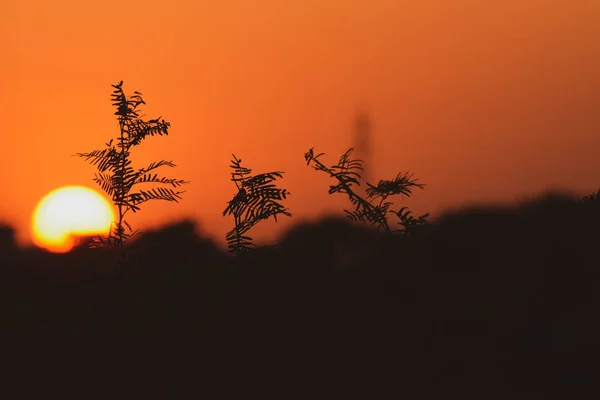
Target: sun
67	213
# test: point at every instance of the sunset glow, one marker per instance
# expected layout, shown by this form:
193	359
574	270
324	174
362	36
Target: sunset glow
68	212
485	101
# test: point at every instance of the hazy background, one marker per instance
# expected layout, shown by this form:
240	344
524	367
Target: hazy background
484	100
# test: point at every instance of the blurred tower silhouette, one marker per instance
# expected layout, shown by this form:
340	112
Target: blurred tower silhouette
362	145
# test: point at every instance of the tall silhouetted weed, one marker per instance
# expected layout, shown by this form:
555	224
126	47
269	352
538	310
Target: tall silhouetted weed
118	178
373	209
257	199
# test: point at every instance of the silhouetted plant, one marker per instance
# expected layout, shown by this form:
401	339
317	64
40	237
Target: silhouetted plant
118	178
257	199
410	225
375	208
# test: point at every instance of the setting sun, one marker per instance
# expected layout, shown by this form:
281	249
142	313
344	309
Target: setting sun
68	212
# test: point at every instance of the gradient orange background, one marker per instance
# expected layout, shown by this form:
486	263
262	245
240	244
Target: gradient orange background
484	100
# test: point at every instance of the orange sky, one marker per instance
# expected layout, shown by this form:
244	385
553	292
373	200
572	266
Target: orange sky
484	100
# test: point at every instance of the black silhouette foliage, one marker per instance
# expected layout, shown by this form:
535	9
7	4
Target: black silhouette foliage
118	178
410	224
257	199
373	209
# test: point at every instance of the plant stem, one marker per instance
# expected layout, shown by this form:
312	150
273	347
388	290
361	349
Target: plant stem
120	191
364	203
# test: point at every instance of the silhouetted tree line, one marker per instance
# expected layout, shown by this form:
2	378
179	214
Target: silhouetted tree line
487	303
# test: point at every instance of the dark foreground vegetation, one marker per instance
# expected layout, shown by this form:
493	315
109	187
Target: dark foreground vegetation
487	303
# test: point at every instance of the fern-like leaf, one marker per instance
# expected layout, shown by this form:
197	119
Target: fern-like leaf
117	177
257	199
347	173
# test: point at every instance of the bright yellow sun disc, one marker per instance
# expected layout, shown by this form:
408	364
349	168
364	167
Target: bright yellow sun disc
69	212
